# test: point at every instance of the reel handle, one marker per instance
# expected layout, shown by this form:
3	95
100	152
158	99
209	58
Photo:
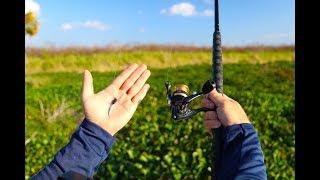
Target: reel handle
208	86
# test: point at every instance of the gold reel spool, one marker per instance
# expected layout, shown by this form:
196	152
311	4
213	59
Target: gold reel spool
181	88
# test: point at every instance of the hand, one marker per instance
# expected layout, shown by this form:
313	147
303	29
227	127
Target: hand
228	111
113	107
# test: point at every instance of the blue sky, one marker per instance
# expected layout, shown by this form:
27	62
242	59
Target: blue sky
102	22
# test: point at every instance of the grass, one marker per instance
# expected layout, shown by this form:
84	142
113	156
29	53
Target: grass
112	60
152	146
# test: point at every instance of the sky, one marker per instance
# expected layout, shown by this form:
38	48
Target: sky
105	22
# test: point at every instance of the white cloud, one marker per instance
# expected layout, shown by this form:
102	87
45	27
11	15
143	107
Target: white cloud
32	6
87	24
185	9
95	25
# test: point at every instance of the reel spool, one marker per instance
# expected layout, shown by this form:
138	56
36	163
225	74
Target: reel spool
181	89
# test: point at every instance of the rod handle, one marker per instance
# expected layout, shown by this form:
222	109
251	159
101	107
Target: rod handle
216	149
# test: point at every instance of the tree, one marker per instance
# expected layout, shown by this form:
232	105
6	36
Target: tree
31	24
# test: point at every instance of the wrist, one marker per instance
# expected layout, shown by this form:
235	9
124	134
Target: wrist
110	129
105	127
236	122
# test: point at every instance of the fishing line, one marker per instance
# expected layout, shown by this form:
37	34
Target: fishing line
172	66
117	58
167	73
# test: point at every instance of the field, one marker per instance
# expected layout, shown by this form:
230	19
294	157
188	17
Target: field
152	146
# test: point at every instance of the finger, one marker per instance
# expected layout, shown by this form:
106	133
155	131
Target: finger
207	103
141	94
87	85
217	98
211	120
211	116
137	86
119	80
133	77
209	125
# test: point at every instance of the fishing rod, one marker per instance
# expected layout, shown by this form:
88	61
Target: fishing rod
217	74
179	100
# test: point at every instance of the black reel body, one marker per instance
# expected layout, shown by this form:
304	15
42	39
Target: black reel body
179	100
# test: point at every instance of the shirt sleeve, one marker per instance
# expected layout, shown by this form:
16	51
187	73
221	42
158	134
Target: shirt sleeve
241	156
89	146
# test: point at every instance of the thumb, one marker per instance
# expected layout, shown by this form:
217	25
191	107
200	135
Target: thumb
87	85
216	97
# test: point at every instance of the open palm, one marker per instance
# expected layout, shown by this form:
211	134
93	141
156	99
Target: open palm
113	107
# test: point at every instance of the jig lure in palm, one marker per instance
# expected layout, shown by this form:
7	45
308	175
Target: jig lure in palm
179	101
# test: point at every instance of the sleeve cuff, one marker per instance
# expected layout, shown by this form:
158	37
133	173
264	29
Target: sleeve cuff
106	138
231	132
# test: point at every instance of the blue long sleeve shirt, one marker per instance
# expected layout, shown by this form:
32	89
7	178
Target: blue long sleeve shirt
88	148
241	157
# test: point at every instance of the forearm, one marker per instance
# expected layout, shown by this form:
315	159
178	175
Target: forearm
242	156
88	148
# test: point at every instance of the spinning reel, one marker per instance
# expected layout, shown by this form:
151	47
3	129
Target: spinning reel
179	100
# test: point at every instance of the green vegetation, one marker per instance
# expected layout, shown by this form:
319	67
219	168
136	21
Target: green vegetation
102	60
152	145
